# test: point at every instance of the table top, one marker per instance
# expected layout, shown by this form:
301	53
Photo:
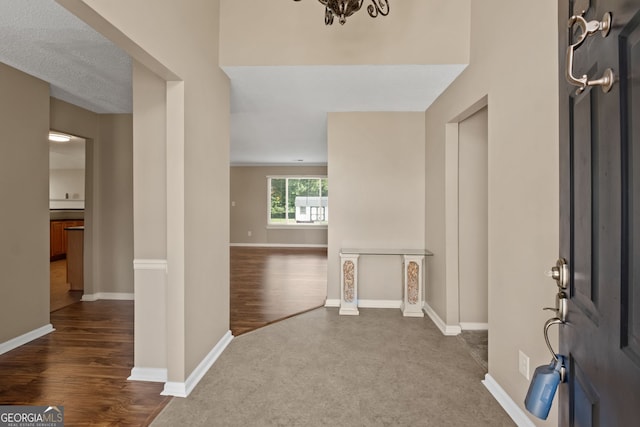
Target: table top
378	251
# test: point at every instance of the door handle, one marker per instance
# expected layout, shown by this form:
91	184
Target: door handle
561	306
548	323
589	28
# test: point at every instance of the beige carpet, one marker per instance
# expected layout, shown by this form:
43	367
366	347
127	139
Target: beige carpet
322	369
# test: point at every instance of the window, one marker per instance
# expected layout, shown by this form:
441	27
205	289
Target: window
298	200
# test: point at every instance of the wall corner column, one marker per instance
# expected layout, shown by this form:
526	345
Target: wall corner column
175	233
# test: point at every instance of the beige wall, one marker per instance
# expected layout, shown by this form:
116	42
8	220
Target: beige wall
150	160
113	171
24	191
472	226
522	91
250	193
376	162
109	194
181	44
412	33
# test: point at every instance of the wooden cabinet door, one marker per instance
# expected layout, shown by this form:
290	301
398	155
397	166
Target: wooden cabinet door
58	242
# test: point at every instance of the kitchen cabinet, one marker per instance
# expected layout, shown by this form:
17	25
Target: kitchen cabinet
58	237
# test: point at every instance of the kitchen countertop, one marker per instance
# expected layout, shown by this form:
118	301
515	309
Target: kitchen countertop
62	214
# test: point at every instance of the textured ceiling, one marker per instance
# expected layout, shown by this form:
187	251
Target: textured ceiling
278	114
44	40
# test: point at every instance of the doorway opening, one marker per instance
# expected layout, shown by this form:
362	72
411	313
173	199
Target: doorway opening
472	234
467	227
67	170
473	221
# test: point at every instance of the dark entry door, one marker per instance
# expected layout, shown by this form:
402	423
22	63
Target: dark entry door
600	215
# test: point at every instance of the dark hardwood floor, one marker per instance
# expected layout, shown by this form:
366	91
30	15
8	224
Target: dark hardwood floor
271	284
84	364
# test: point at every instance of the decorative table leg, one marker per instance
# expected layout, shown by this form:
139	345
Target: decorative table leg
412	286
349	284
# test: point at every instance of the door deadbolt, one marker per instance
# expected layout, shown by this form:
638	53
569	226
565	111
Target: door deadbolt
560	273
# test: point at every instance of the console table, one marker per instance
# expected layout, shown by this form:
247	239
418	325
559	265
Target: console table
412	286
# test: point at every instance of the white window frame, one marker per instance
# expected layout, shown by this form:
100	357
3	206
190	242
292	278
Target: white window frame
289	225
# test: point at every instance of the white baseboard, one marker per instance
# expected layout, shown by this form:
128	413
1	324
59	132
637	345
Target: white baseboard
156	375
150	264
25	338
183	389
378	303
175	389
108	296
510	407
470	326
277	245
366	303
448	330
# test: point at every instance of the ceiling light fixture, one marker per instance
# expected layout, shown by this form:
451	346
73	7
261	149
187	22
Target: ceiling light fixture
345	8
56	137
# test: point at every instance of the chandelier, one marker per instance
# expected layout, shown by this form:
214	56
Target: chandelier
345	8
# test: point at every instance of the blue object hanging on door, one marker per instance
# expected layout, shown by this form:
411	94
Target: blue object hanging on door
546	378
542	389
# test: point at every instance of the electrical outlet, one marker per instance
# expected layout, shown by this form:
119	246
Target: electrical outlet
523	364
249	233
233	204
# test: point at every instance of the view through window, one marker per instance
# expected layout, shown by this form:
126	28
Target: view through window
298	200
